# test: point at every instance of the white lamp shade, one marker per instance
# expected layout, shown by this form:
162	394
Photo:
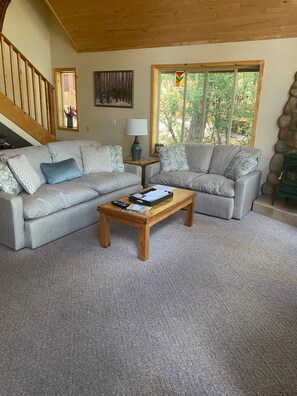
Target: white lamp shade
136	126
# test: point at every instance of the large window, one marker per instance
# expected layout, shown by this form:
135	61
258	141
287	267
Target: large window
208	103
66	98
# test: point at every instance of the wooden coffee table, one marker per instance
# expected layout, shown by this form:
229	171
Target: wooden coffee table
109	212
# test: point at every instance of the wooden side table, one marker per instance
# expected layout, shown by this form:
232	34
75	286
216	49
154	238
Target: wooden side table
143	162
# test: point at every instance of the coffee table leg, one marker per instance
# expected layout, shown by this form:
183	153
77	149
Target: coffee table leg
144	242
104	231
190	214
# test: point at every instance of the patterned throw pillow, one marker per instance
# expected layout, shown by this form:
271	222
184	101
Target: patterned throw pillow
116	155
24	173
8	182
242	164
96	159
173	158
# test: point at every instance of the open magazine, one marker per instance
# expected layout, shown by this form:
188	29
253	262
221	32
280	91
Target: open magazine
136	208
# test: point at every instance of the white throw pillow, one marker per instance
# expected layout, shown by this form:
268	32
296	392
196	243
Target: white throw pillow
96	159
24	173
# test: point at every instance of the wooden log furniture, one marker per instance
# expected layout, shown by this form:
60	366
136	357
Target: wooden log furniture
109	212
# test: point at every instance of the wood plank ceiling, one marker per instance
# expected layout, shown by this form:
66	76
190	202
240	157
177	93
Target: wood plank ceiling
94	25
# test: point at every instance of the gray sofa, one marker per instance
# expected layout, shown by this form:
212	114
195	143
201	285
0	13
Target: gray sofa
218	195
54	210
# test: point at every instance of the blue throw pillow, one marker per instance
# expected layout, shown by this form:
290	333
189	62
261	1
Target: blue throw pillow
61	171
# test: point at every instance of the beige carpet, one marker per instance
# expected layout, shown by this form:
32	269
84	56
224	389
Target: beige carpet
212	312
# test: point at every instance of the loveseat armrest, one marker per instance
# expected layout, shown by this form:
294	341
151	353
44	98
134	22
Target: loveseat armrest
246	189
12	225
136	169
150	171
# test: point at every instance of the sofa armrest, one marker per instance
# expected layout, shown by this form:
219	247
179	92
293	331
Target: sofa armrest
246	189
150	171
12	225
137	170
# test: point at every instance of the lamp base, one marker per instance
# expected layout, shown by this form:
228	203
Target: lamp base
136	150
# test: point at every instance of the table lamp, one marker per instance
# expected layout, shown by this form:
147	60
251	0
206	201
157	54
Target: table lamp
136	127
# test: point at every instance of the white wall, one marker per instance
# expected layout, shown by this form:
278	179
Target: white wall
280	67
27	26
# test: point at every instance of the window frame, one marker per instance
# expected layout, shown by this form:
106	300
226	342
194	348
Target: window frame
59	100
157	69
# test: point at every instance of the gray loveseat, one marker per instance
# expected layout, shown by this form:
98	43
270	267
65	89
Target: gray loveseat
54	210
218	195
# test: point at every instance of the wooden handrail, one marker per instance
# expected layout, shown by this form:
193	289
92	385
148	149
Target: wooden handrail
34	93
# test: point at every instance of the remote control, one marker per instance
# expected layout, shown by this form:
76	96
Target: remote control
121	204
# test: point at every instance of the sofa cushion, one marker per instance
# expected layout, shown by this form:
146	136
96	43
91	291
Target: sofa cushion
252	150
176	179
213	184
60	151
173	158
8	182
24	173
199	156
35	155
242	164
116	155
106	182
51	198
60	171
222	155
215	205
96	159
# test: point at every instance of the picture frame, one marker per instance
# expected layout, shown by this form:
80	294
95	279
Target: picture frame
114	88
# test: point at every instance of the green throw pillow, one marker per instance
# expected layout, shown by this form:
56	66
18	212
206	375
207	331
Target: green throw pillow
116	155
173	158
8	182
242	164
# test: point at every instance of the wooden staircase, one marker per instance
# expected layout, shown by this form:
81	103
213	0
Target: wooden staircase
26	96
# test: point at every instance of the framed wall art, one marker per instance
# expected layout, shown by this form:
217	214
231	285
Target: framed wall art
114	88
